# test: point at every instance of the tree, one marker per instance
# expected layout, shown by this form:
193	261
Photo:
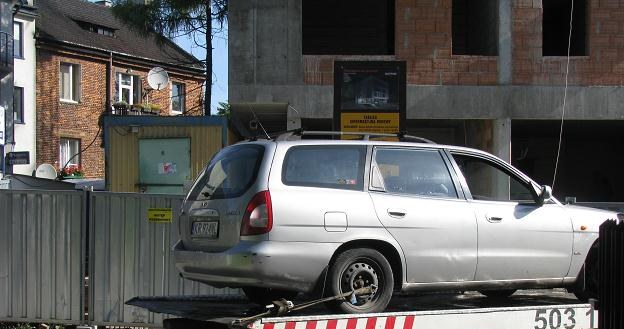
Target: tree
168	19
224	109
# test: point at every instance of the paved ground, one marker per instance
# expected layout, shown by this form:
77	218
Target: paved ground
205	308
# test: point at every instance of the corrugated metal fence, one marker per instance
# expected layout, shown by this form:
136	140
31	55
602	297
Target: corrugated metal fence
611	288
41	251
131	257
48	239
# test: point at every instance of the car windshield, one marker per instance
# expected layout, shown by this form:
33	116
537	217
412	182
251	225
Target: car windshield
229	174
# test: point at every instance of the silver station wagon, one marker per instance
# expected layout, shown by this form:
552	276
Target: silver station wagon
279	217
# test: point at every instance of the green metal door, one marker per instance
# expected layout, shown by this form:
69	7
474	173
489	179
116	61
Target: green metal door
164	164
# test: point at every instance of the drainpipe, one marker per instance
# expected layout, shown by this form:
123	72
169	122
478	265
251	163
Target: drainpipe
109	75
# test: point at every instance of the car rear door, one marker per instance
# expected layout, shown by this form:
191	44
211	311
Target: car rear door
518	238
419	202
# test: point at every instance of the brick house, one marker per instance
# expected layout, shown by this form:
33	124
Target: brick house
86	62
488	74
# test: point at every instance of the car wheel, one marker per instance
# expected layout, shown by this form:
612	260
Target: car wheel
587	281
498	293
357	268
265	296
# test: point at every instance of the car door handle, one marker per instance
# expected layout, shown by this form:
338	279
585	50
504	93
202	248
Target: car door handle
494	219
397	213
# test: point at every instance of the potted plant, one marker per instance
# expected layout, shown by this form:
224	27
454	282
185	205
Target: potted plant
121	108
71	171
136	109
151	108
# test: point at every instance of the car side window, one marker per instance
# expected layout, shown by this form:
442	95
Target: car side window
340	167
486	181
415	172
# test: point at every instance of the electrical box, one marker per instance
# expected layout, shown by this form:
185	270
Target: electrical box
164	165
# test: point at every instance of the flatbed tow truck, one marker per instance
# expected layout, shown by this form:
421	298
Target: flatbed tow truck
526	309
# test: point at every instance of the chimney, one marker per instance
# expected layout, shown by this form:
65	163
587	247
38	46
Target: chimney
106	3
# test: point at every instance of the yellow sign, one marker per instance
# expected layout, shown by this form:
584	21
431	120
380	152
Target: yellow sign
159	215
381	123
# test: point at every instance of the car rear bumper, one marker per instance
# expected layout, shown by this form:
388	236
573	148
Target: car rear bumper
270	264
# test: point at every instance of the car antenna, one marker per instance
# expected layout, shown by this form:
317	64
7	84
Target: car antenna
259	123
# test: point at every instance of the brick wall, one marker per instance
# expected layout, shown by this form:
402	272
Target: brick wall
423	38
58	119
604	64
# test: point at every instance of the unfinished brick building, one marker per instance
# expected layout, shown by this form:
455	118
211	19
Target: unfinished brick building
86	62
482	73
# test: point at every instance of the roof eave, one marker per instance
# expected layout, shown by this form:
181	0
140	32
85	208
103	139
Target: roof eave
105	53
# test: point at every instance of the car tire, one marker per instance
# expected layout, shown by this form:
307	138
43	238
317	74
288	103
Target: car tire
356	268
266	296
498	293
587	281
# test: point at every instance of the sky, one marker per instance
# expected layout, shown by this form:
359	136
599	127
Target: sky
219	66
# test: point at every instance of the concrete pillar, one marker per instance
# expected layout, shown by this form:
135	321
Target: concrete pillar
504	42
501	138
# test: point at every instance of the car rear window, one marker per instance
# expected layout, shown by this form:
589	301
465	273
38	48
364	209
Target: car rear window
229	174
339	167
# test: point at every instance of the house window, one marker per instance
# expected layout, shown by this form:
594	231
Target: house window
348	27
107	31
475	27
69	152
556	28
178	97
70	82
128	88
18	105
18	43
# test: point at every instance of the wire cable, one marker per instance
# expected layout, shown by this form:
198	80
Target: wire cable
565	95
81	151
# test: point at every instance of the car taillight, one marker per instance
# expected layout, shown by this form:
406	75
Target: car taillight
258	217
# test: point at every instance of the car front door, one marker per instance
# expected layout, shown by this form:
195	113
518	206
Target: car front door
519	238
417	200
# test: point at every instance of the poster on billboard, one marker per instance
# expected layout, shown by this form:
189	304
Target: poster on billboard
369	96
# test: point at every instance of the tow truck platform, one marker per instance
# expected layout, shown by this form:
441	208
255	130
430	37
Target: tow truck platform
526	309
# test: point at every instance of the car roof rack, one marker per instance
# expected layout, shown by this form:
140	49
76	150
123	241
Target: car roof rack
402	136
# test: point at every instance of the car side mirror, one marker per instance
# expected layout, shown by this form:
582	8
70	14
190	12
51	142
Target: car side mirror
545	194
377	180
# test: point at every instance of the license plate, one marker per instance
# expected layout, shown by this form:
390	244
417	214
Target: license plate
205	230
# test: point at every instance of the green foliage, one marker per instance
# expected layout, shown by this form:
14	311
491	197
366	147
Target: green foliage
170	18
224	109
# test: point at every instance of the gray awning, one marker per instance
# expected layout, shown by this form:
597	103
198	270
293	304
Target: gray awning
250	118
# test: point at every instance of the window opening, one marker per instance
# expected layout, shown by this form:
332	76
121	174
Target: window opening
178	97
556	28
70	82
68	148
475	27
128	88
348	27
18	104
18	45
94	28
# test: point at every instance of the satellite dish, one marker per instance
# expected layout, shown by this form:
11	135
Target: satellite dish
46	171
157	78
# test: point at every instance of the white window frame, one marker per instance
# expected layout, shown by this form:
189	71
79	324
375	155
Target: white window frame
18	37
74	89
130	88
66	142
182	97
